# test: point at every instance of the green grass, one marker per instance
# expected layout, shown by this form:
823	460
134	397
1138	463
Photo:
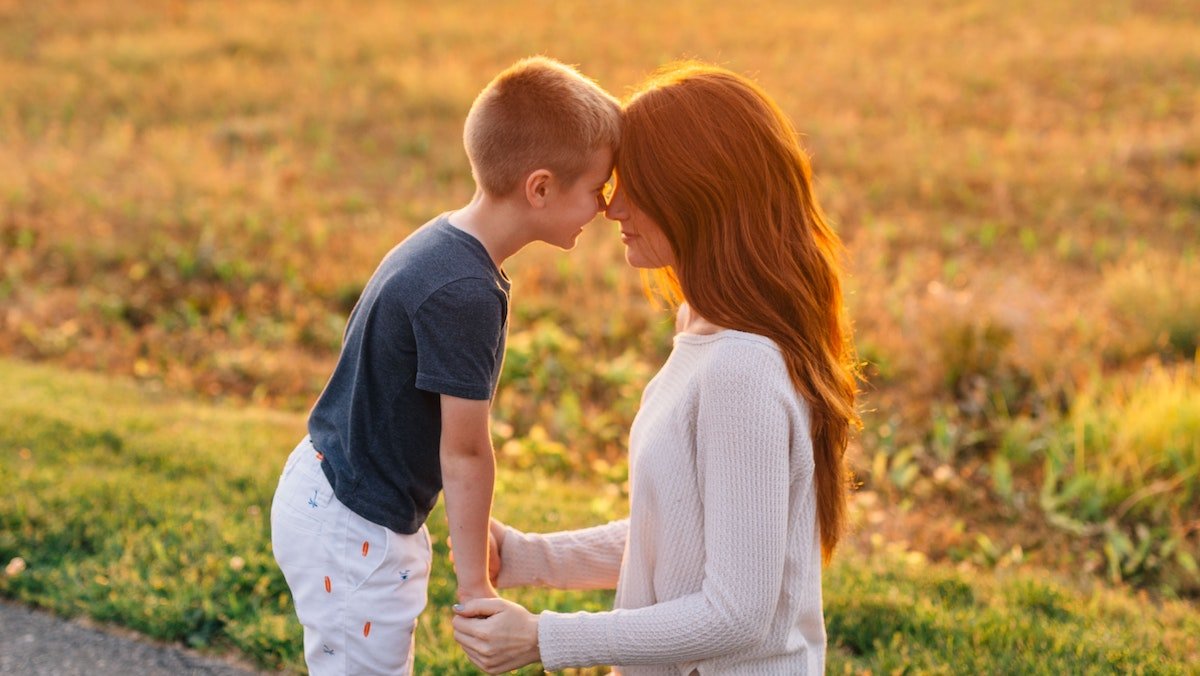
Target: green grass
1157	300
1124	468
891	617
195	198
151	511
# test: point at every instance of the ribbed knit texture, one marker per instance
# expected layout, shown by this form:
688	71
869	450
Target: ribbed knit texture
719	561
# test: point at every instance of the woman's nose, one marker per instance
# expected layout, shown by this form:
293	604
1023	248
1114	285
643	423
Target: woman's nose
618	209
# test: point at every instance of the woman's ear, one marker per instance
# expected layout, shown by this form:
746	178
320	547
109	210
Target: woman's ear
537	187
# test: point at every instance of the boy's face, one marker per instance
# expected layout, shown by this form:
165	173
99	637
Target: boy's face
573	207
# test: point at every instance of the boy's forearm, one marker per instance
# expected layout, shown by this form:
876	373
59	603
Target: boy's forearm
468	480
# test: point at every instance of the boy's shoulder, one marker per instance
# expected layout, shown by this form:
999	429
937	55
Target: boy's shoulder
426	238
432	244
435	255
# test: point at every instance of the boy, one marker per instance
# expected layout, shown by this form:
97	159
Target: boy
406	412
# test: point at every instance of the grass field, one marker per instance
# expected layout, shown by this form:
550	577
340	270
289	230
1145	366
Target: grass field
192	194
152	511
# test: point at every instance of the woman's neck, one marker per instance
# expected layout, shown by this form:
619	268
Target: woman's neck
688	320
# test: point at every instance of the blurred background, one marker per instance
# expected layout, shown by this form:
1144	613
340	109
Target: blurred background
192	195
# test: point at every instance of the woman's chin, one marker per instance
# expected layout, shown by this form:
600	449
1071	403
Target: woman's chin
642	263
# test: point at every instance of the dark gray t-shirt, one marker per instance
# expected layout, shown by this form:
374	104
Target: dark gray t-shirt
432	320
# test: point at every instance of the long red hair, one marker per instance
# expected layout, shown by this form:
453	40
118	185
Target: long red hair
713	160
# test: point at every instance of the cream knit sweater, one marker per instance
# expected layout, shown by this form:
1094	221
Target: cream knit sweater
718	567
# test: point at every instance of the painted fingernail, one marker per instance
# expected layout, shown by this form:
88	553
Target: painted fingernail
457	607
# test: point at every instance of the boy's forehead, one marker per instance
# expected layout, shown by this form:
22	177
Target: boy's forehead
601	161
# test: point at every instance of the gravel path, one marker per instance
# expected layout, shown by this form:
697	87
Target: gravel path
33	642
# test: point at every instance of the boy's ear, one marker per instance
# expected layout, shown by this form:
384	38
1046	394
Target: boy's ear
537	187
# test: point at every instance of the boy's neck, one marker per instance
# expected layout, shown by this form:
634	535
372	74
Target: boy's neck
496	223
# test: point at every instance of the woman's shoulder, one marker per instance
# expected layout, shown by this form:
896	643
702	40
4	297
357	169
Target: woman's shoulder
733	345
729	356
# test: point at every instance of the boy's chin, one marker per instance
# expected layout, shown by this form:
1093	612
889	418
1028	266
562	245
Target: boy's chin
566	244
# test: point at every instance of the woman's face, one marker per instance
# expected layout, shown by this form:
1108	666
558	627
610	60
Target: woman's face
645	244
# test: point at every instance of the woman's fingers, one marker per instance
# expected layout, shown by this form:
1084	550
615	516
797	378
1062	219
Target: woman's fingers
493	558
496	530
475	658
470	641
479	607
477	649
497	635
496	533
467	627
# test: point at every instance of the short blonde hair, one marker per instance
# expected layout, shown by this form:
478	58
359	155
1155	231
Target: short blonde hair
538	114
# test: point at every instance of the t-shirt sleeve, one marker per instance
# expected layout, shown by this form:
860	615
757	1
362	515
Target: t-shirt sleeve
458	332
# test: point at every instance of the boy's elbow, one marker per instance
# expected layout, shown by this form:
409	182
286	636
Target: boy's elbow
468	451
467	466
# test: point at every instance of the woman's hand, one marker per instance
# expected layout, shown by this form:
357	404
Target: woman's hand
495	546
497	635
495	542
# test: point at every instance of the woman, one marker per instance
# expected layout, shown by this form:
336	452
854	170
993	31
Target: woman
737	475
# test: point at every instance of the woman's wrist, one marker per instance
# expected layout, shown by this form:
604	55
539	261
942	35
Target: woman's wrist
536	645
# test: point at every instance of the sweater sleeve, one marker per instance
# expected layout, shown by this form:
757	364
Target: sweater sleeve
589	558
743	437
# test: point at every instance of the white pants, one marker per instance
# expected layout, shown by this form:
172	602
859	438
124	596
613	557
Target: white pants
358	587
